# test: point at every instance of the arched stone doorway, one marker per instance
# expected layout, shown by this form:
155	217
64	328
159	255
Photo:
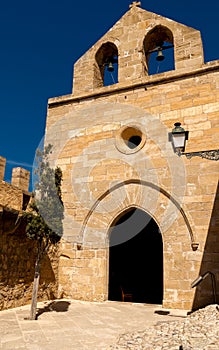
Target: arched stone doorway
135	258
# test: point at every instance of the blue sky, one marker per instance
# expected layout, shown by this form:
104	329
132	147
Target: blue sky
40	41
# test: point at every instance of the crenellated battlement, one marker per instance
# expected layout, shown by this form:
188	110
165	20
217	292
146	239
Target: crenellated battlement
14	195
2	167
16	279
20	177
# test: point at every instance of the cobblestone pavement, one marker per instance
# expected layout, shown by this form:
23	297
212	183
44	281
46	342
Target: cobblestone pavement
199	331
76	325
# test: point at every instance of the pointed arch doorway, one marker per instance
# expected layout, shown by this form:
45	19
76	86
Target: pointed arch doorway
135	259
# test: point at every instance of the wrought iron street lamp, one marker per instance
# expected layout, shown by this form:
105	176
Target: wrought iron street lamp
179	137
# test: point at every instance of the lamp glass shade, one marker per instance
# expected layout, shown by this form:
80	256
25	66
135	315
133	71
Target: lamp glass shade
179	140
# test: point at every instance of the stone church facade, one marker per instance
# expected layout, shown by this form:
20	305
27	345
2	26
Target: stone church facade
121	176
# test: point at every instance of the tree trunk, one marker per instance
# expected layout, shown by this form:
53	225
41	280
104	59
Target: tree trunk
35	290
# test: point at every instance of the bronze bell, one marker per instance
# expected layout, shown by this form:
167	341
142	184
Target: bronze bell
160	56
110	67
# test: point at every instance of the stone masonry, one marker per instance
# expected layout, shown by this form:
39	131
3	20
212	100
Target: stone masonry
103	177
17	252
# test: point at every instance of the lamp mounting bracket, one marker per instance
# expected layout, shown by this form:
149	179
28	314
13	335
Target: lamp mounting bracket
211	155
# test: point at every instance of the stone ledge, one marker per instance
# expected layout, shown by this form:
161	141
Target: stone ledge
148	81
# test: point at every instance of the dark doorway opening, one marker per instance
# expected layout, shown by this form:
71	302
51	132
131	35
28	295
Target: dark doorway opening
136	259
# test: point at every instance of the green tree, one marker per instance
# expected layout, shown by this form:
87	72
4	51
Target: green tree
45	215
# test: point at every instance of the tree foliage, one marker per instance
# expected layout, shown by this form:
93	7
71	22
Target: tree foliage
45	214
44	219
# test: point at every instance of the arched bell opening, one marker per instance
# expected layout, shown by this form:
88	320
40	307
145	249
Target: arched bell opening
135	259
159	51
106	65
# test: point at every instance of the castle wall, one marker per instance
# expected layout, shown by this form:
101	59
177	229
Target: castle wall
17	261
17	252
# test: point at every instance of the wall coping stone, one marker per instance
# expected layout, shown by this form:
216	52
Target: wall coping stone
148	81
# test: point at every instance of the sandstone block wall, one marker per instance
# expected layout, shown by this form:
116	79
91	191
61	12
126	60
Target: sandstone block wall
103	177
129	35
2	168
17	252
14	195
17	261
20	178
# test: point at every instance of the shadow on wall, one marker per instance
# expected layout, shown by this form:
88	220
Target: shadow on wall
204	294
17	261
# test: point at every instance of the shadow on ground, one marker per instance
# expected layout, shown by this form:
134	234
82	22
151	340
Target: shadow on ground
58	306
161	312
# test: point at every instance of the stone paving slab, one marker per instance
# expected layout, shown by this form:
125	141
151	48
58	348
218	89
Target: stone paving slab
76	325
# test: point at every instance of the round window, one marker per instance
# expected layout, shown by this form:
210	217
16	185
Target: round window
130	139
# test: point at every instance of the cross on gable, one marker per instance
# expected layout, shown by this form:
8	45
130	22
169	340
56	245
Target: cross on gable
135	4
